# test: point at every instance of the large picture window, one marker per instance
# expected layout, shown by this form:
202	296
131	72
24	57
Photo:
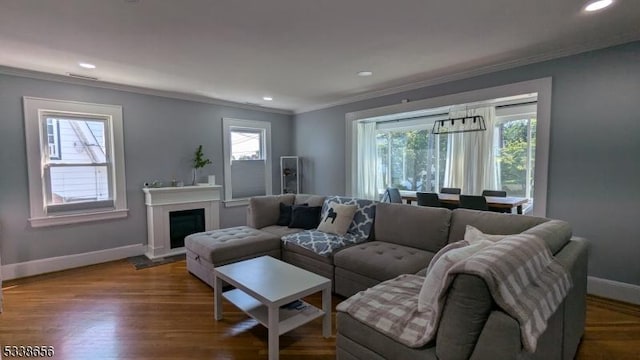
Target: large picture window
395	145
76	161
414	158
410	155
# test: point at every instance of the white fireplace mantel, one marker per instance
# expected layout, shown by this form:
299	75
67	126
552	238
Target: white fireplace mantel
162	201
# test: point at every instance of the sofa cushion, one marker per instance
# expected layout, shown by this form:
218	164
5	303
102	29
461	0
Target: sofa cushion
464	316
381	260
338	219
555	233
279	230
391	308
420	227
305	217
431	295
284	219
489	223
321	243
362	222
473	235
265	210
225	245
312	200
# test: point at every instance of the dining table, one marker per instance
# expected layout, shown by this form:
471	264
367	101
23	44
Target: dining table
494	202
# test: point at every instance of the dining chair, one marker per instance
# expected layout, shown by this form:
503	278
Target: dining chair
392	195
428	199
496	193
474	202
450	191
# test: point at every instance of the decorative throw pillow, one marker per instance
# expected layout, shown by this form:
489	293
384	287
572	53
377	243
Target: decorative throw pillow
473	235
285	214
338	219
305	217
434	286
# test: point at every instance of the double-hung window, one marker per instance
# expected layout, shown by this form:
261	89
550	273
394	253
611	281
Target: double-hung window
76	161
247	160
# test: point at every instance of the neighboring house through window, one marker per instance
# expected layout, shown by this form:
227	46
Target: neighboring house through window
76	161
247	157
53	139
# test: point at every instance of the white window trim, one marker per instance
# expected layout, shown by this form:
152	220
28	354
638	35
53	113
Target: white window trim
33	107
540	86
227	125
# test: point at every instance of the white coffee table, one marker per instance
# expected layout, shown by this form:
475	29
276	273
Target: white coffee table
263	285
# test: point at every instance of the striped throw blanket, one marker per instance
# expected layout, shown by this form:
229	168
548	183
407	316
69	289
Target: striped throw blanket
524	280
523	277
391	307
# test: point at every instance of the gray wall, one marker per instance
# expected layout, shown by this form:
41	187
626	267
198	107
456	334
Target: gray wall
161	136
594	172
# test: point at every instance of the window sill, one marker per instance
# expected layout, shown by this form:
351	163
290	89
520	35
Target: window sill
236	202
77	218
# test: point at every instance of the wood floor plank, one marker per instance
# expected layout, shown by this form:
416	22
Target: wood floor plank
112	311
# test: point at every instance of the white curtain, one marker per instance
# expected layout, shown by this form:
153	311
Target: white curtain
366	162
471	157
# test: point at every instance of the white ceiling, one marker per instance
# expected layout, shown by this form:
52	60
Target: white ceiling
303	53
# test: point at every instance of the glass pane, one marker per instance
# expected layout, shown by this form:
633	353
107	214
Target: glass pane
76	141
382	160
407	160
246	145
516	156
71	184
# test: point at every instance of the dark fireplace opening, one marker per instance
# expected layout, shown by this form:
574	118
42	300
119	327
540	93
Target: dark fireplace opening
183	223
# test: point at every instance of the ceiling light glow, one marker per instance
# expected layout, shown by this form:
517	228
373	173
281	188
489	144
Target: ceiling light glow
267	98
596	5
86	65
365	73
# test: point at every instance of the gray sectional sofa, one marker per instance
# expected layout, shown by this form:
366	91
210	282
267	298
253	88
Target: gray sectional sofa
403	240
471	326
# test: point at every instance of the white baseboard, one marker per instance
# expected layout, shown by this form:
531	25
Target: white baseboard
613	290
42	266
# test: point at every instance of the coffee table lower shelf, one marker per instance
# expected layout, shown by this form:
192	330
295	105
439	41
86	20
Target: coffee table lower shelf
289	318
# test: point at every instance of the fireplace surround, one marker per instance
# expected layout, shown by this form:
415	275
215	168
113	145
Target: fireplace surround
188	207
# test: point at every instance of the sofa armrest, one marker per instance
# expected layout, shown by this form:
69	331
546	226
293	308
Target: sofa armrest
464	316
500	338
574	257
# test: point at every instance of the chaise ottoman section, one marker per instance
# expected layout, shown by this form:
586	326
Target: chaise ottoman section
209	249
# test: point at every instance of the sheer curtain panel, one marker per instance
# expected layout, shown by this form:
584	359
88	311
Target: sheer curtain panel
470	162
367	167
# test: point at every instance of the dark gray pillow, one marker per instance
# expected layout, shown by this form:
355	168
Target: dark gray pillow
305	217
285	214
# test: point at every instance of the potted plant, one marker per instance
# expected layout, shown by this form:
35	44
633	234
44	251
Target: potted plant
199	161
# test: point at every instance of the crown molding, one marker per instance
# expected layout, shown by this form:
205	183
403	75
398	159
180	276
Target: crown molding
6	70
567	51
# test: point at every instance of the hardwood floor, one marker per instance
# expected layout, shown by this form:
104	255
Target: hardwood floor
112	311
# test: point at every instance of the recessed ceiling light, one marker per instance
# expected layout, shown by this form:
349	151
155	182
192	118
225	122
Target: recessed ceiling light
267	98
595	5
86	65
365	73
